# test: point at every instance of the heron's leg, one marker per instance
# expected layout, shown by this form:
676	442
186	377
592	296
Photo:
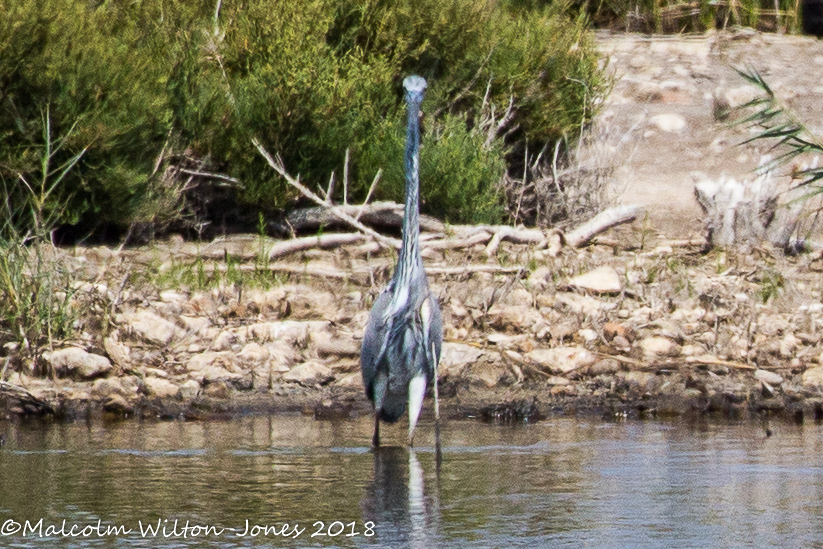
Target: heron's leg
375	439
417	392
437	452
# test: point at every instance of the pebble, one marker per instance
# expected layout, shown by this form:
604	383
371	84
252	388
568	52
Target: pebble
658	346
771	378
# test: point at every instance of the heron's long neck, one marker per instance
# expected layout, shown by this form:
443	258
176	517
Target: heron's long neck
410	251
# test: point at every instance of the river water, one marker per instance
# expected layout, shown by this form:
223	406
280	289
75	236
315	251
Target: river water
295	482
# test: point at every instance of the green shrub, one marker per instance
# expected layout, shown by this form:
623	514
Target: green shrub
154	84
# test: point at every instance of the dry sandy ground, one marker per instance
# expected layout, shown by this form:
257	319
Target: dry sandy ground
659	120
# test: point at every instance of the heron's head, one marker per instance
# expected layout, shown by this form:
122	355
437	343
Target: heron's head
415	86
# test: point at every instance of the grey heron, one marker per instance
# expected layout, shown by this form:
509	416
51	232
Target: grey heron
401	346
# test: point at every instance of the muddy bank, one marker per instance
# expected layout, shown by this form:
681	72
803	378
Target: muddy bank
635	325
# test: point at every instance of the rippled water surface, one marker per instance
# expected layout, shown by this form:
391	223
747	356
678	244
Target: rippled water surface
274	482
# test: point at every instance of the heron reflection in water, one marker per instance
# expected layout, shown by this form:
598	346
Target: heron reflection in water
397	502
401	346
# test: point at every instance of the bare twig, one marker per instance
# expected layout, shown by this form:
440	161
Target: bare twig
219	176
346	179
280	169
368	194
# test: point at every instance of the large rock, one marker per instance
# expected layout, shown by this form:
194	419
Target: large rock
489	374
77	363
118	404
455	357
602	280
118	353
562	360
162	388
309	374
223	359
813	377
788	345
353	380
189	390
582	303
513	317
253	353
291	331
211	367
197	325
151	327
644	381
105	387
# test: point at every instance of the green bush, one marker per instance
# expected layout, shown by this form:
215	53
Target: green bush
677	16
154	84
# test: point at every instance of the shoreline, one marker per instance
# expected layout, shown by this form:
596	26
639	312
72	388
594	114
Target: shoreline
702	400
601	331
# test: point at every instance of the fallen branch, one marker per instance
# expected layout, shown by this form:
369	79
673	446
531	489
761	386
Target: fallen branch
385	214
287	247
603	221
713	361
472	269
707	360
452	243
518	235
329	271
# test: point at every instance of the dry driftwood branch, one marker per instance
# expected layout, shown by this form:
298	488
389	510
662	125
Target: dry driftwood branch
467	269
327	270
603	221
287	247
518	235
451	243
23	396
386	214
280	169
713	361
324	270
707	360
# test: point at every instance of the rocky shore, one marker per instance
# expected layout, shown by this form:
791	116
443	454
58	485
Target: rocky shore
635	324
656	330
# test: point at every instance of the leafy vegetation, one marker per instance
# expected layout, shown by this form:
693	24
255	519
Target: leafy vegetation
789	136
163	98
676	16
36	289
